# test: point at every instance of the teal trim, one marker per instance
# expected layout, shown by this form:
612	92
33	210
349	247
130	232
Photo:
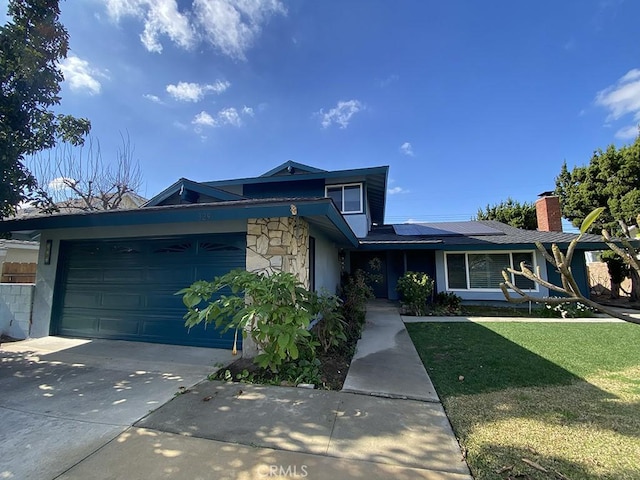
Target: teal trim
189	185
295	165
335	174
320	211
374	179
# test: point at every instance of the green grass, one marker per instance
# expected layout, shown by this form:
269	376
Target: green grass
564	395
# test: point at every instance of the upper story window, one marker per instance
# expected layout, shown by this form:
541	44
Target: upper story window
348	198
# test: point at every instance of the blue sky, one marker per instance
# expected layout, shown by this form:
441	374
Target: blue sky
468	102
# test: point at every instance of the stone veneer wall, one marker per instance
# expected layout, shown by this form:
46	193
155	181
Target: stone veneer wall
279	244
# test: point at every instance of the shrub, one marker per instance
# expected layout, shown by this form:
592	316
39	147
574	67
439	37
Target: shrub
416	289
354	292
330	329
449	302
568	310
275	310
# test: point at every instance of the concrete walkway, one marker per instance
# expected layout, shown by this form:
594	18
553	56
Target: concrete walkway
386	363
235	431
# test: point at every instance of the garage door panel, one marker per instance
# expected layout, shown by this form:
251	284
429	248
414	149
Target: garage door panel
81	299
126	289
118	326
178	275
119	301
85	274
124	274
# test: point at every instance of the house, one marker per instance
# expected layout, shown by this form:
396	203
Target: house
114	274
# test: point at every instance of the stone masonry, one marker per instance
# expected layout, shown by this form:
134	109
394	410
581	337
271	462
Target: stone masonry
276	245
279	245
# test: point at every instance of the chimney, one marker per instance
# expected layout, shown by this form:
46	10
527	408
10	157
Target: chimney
549	213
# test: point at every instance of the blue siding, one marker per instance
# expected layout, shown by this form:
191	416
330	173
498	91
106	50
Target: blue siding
302	189
579	270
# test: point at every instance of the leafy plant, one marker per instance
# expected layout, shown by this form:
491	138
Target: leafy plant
275	311
416	289
449	302
354	292
330	329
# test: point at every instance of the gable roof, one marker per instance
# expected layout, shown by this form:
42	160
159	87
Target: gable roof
291	168
375	179
471	235
319	212
188	189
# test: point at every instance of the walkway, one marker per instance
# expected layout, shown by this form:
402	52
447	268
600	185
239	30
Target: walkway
237	431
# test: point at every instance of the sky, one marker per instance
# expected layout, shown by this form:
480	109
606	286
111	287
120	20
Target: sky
468	102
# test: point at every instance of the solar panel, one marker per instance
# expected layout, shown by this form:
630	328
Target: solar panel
445	229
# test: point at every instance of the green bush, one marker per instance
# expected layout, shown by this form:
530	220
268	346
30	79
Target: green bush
276	311
449	302
416	289
354	292
331	328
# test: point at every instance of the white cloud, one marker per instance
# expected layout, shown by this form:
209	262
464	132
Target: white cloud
341	114
160	17
396	190
407	149
226	116
81	76
231	26
627	133
194	92
152	98
623	97
229	116
60	183
204	119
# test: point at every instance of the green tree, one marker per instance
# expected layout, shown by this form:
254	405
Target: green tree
32	43
511	212
611	180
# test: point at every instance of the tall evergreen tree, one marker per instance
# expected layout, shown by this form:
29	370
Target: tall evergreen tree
511	212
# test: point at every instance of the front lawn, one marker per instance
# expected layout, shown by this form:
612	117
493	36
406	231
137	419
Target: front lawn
539	400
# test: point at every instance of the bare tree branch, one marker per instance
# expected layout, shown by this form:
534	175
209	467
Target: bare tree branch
78	179
562	263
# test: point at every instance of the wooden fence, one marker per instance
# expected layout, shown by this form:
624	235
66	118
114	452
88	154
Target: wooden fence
18	272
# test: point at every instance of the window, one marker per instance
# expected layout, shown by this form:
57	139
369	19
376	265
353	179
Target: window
483	271
348	198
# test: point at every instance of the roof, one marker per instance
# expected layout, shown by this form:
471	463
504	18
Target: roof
19	244
291	168
375	179
190	190
320	212
485	234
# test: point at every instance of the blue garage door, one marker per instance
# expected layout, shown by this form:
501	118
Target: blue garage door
124	289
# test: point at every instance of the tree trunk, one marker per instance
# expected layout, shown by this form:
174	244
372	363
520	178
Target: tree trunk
635	286
615	290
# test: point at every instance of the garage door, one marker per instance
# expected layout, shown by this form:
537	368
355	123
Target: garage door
124	289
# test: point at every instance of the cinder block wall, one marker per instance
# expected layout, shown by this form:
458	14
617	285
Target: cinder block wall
16	300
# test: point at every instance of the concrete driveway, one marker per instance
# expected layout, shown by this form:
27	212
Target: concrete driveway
62	399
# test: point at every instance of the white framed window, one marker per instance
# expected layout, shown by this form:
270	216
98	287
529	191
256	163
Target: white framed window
348	197
483	270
